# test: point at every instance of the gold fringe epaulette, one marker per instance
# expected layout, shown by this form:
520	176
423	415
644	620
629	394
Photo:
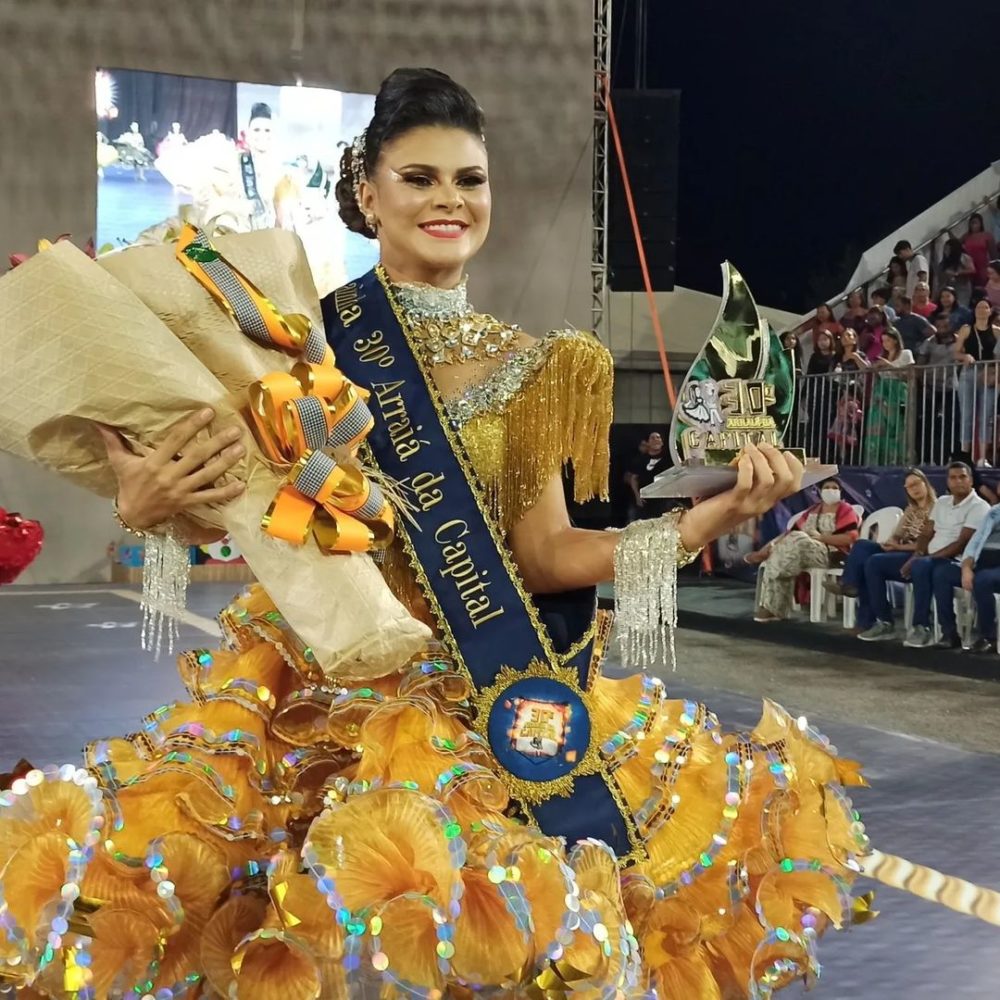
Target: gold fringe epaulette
549	407
561	415
546	407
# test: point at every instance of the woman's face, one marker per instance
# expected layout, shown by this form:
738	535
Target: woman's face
992	274
854	300
791	341
947	299
975	224
824	343
983	312
920	294
916	488
823	313
430	196
829	492
849	338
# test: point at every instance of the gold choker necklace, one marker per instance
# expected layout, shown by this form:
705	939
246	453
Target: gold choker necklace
447	330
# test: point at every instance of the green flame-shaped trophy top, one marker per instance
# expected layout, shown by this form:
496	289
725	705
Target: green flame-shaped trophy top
740	390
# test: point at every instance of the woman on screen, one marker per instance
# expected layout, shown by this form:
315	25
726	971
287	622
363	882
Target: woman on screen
497	815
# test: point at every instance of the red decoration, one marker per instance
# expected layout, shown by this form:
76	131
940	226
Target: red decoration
19	258
21	768
20	543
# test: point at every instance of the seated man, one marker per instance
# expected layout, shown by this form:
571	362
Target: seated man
981	577
934	567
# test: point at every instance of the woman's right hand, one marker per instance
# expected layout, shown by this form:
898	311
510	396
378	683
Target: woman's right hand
181	473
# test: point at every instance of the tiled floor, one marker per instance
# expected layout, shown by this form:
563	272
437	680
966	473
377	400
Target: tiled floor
72	671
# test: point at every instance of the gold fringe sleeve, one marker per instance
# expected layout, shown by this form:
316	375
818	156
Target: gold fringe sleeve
549	408
560	415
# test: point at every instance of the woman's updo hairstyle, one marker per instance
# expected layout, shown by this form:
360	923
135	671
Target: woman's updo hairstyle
407	99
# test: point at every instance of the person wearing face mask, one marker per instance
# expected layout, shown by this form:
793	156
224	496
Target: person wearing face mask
819	537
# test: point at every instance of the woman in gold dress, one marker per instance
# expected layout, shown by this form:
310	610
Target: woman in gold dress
495	817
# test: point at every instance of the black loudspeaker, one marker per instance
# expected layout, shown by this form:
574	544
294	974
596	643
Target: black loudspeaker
649	126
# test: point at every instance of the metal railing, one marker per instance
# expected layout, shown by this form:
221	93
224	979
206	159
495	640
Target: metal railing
882	278
918	415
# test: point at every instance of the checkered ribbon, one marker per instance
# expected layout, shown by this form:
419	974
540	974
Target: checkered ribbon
253	312
310	421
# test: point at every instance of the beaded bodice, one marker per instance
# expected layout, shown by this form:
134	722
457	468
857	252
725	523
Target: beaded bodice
523	410
497	358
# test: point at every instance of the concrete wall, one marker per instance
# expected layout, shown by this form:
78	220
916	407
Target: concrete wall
529	62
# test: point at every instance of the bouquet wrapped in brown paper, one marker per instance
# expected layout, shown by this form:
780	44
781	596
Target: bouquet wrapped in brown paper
78	347
272	258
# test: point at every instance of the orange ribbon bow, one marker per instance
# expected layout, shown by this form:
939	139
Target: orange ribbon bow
306	420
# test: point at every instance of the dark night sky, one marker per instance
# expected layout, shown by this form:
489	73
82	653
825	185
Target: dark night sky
811	129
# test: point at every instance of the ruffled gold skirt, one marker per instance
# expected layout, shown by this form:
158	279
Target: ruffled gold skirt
282	836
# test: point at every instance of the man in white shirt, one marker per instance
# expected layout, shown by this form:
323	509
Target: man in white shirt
916	266
934	568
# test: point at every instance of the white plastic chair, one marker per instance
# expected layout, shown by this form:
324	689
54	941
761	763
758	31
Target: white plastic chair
996	599
965	616
878	524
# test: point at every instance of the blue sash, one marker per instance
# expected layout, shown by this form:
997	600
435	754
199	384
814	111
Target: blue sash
532	704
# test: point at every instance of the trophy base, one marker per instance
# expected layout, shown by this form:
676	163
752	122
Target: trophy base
697	480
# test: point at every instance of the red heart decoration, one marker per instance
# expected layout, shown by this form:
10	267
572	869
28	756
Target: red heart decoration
20	543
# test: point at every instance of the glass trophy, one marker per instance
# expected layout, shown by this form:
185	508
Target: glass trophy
740	390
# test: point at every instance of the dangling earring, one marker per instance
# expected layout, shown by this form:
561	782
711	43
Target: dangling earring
371	222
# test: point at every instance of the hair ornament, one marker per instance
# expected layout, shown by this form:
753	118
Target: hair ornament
358	163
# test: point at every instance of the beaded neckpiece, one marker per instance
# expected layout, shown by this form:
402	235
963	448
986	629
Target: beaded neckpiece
447	329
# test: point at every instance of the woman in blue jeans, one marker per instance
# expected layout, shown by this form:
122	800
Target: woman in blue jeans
976	344
895	550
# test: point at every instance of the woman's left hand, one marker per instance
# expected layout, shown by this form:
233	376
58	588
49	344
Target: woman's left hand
764	476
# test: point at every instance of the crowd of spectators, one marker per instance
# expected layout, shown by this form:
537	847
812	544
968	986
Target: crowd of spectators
899	373
939	544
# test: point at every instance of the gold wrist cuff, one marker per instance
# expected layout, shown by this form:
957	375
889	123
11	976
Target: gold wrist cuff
123	523
684	557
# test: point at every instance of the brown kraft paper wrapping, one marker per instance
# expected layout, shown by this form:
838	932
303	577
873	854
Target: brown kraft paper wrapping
78	347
